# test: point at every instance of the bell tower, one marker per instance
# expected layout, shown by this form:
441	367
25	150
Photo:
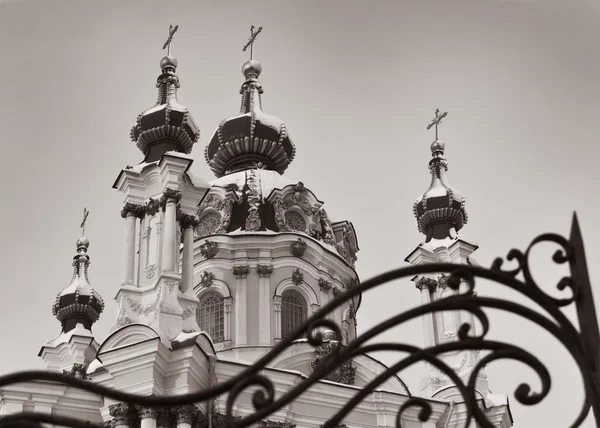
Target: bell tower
440	213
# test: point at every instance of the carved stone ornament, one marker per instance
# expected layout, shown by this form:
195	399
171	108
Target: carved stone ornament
345	373
148	309
426	283
297	277
170	195
185	414
77	370
122	413
264	270
298	248
241	271
325	285
352	283
348	248
275	424
209	249
443	281
207	278
336	291
351	311
133	209
253	222
223	206
152	207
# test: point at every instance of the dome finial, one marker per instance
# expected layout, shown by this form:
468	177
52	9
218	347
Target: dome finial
252	68
437	145
83	243
169	60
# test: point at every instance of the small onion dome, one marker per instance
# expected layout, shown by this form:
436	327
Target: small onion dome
167	125
440	211
252	137
78	302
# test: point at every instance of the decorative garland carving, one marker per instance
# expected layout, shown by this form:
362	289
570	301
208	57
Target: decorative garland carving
264	270
336	291
189	311
209	249
298	248
145	310
297	277
253	222
241	271
207	278
344	373
325	285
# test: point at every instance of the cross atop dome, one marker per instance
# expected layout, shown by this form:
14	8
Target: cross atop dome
251	40
167	125
436	121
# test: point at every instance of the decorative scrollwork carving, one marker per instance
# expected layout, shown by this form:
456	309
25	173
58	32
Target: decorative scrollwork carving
550	318
325	285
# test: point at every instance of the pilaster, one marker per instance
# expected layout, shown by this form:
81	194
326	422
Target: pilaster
264	303
241	275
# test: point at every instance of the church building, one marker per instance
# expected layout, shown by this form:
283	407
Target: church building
215	274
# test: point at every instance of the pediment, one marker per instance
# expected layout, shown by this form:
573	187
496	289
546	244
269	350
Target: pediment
128	335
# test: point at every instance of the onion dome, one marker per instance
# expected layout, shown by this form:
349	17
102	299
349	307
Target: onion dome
78	303
440	211
167	125
252	138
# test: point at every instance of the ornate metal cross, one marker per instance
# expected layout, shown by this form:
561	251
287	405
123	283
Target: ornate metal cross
437	120
251	39
167	44
85	216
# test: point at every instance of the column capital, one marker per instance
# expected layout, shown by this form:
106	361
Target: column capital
264	270
170	195
147	412
185	414
241	271
425	282
130	209
122	413
187	220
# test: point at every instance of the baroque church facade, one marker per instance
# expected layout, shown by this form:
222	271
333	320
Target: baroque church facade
215	274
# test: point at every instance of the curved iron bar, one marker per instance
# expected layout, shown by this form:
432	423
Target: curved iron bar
264	400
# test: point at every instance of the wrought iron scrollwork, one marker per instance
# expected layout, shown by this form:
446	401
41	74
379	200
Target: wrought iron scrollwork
266	402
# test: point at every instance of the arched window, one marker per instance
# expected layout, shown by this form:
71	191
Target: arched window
295	221
293	311
208	224
211	318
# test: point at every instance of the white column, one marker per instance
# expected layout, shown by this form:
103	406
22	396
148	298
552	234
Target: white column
187	275
264	304
129	213
241	317
169	244
227	321
424	285
277	310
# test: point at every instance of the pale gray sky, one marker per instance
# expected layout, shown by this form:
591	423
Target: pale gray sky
356	83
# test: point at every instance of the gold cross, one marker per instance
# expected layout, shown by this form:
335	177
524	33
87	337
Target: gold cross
436	121
170	38
251	40
85	216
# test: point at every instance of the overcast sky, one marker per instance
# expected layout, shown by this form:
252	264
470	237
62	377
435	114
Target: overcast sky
356	83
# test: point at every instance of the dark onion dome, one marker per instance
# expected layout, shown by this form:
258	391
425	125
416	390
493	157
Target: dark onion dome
167	125
252	137
440	211
78	302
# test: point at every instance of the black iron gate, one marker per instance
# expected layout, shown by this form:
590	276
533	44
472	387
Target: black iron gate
582	344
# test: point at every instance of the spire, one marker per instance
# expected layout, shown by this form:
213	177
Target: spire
252	138
440	211
167	125
78	303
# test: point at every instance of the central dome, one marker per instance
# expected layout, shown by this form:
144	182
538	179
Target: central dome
252	138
